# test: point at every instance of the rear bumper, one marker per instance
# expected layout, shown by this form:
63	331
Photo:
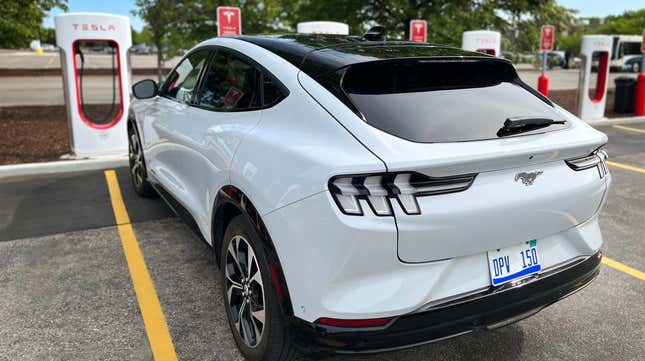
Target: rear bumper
493	308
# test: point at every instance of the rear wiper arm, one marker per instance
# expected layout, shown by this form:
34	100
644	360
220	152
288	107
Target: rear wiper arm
525	124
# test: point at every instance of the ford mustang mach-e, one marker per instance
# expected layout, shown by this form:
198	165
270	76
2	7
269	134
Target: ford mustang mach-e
363	195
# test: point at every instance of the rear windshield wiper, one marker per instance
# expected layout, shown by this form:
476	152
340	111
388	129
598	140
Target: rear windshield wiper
518	125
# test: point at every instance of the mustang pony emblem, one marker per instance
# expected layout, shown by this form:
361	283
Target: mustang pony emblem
527	177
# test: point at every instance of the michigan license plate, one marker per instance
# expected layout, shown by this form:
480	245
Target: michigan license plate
508	264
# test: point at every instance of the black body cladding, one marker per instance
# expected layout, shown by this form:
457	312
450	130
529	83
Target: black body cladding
494	308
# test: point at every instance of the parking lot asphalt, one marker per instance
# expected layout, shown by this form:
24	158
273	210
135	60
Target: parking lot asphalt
70	290
52	204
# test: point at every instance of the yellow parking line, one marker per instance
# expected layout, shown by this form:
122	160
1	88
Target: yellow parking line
120	213
153	317
629	129
625	166
624	268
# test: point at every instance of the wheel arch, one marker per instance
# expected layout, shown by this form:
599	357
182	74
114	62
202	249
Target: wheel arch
231	202
131	123
131	118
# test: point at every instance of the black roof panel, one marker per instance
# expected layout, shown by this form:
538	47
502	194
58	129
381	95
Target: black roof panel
316	54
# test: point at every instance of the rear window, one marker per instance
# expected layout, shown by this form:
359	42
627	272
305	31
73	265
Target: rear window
430	101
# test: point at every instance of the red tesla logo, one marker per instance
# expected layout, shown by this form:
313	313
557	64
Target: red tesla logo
546	37
229	21
94	27
418	31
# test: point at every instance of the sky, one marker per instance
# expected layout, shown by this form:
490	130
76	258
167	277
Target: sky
119	7
602	8
587	8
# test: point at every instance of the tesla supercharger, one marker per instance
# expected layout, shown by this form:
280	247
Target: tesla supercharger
595	53
483	41
97	105
322	27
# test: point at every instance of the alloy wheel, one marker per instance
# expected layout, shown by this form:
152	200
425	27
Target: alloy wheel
136	160
245	291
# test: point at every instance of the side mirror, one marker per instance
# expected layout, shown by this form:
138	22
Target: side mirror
145	89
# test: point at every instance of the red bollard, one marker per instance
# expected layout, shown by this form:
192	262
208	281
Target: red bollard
639	104
543	85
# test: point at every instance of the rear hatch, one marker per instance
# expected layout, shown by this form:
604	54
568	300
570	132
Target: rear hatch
443	118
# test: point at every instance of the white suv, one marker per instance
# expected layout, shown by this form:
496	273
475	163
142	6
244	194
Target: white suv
363	196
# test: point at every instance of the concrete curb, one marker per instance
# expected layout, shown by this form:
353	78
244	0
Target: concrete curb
612	121
62	166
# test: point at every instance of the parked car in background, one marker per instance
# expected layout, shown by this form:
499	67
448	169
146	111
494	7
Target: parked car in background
624	49
518	58
362	195
140	49
556	58
49	47
633	64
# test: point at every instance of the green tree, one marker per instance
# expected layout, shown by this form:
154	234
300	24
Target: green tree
518	20
179	24
47	36
630	22
447	19
571	42
164	19
137	36
258	17
176	24
525	17
348	12
20	20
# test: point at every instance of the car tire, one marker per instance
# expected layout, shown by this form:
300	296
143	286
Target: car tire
636	67
137	165
253	286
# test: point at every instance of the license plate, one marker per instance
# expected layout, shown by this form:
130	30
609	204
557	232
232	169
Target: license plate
508	264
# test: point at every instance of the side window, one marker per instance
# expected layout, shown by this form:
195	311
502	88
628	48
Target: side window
230	84
272	93
182	81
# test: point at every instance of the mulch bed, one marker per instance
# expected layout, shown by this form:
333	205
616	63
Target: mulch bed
568	99
40	133
33	134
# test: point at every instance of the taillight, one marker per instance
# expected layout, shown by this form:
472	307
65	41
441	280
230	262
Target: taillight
377	190
596	159
354	323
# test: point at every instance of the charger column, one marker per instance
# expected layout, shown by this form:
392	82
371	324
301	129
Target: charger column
97	106
546	45
639	104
